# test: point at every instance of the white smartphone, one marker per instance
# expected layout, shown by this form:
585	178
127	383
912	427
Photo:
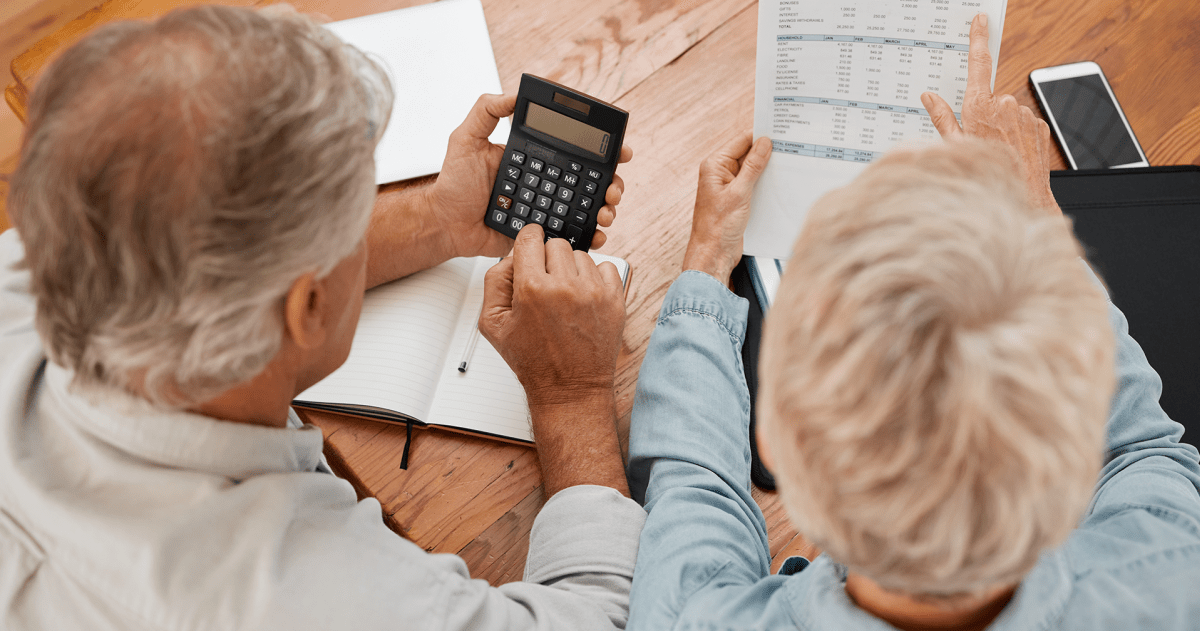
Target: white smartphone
1085	116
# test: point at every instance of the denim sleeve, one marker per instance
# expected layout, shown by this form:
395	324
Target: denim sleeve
689	455
1147	467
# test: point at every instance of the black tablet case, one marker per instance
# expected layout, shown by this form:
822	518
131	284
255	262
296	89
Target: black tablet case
1141	231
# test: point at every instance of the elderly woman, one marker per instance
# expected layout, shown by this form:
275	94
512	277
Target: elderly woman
936	373
191	249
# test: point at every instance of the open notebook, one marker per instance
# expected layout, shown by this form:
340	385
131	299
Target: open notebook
403	365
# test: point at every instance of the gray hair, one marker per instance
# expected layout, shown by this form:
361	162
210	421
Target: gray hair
177	177
937	369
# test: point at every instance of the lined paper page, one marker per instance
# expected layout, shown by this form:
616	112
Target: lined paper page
401	343
488	397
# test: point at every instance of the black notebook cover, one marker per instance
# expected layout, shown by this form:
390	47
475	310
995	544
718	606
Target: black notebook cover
1141	231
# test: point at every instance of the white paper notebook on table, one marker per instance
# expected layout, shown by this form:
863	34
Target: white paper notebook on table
439	58
403	365
838	83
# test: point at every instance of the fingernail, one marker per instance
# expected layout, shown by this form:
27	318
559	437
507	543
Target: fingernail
983	20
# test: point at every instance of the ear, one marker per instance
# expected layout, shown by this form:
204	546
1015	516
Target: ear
304	312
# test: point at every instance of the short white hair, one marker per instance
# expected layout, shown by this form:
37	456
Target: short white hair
177	177
936	374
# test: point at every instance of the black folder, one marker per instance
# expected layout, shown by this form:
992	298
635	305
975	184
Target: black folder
1141	232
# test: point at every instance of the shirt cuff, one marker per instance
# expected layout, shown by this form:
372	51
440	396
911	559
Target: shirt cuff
584	529
698	293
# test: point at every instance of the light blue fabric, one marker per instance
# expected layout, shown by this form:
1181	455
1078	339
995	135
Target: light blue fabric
703	561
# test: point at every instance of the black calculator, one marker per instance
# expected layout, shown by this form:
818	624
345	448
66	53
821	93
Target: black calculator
561	156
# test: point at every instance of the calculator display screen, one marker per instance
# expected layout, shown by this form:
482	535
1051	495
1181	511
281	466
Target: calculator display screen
567	129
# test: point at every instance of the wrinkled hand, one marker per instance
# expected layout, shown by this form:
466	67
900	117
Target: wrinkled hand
556	318
460	195
998	118
727	179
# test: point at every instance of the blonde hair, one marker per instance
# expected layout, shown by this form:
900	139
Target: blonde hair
177	177
936	371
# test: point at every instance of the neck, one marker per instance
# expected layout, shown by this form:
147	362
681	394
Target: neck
907	613
263	400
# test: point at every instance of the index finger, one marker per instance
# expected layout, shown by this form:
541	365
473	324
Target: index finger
529	252
979	60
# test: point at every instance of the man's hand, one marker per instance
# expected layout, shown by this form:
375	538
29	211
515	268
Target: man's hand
998	118
727	179
556	318
460	195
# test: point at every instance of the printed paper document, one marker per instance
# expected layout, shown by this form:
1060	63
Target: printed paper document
838	83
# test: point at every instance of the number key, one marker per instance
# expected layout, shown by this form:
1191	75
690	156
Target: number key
537	165
539	217
526	195
542	202
561	209
516	157
532	180
516	224
565	194
553	171
499	217
554	223
521	211
548	187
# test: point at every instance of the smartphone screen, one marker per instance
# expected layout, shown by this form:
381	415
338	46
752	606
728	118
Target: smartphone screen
1089	122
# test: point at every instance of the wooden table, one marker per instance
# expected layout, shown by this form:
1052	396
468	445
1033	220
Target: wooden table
685	72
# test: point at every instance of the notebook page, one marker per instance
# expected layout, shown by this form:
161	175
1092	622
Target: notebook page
488	397
401	343
837	84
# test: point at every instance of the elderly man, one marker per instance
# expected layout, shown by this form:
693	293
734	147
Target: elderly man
194	232
936	373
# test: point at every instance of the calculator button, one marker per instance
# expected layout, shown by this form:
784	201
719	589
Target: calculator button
553	171
570	179
499	217
574	234
548	187
574	166
578	216
532	180
539	217
508	187
537	165
516	224
554	223
516	157
503	202
513	172
561	209
542	202
585	202
526	195
589	187
565	194
521	210
594	174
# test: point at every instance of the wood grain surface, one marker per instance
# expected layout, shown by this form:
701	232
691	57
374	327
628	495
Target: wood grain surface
684	69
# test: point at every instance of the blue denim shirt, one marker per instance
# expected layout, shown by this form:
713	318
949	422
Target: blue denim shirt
703	561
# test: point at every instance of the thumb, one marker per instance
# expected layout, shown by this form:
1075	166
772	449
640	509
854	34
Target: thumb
942	115
497	299
755	162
